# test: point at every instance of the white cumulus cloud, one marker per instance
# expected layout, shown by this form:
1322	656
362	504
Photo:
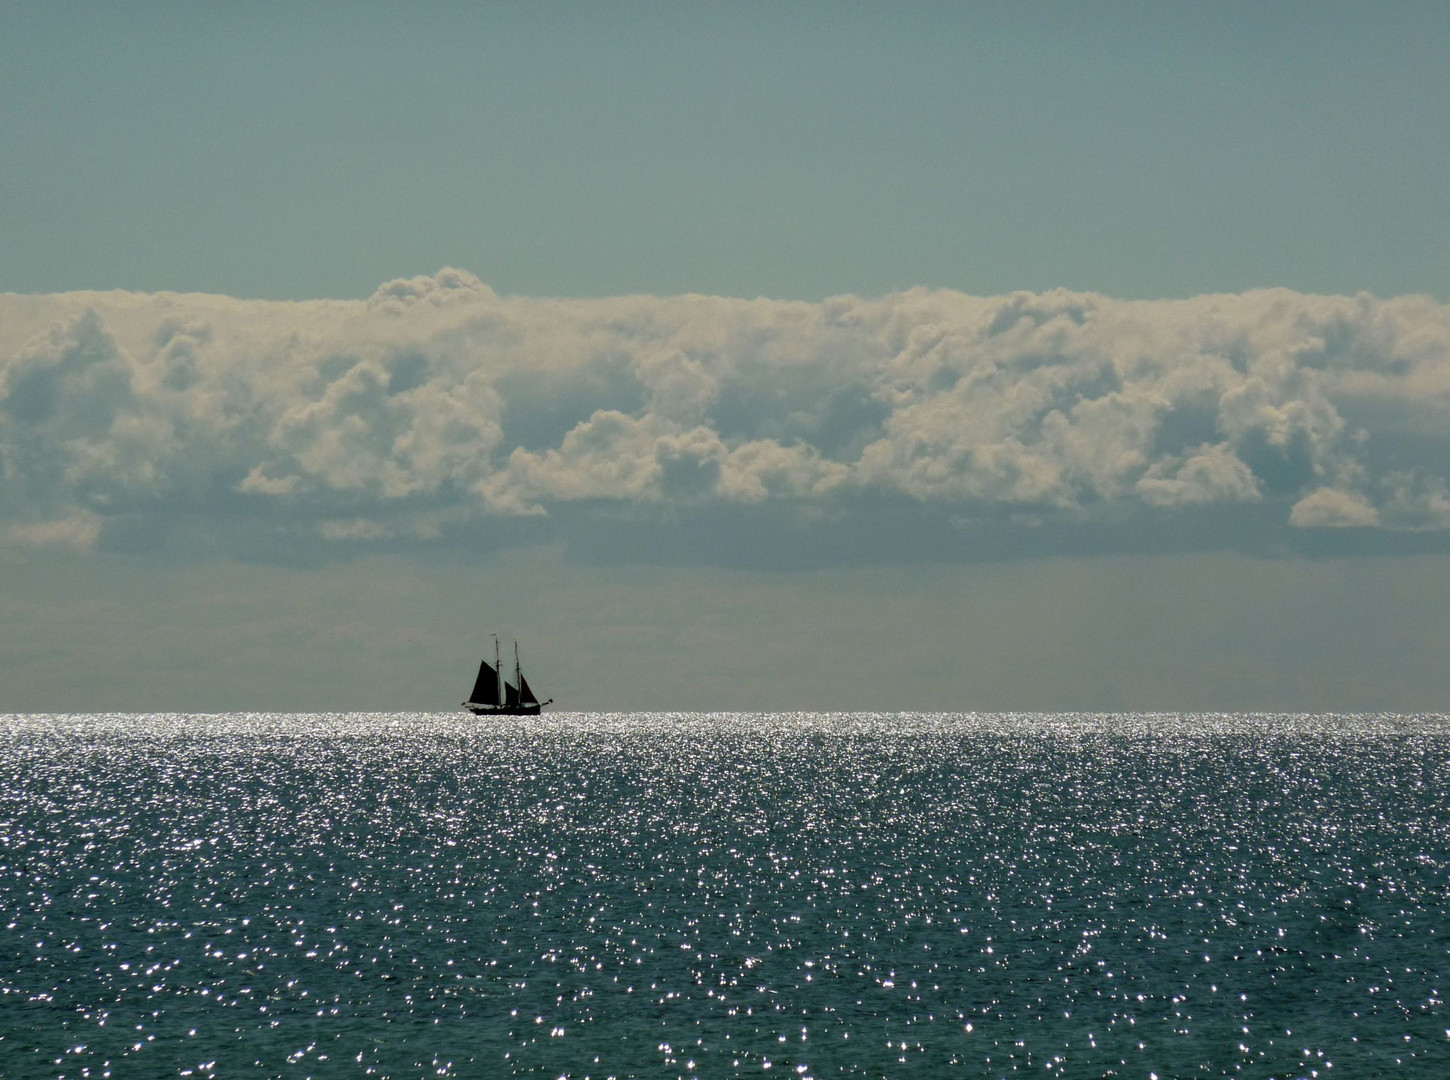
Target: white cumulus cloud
438	404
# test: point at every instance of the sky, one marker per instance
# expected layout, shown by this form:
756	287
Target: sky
1010	356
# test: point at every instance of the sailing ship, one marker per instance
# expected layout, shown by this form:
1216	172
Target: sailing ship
493	696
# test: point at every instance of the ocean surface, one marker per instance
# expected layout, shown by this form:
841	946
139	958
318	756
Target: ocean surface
636	895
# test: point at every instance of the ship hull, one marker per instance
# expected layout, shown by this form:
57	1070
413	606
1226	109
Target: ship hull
503	710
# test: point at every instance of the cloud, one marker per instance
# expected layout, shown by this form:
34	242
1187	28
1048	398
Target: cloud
1207	474
437	409
79	532
1328	508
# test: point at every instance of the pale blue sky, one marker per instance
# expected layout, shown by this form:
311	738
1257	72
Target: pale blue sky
942	500
794	151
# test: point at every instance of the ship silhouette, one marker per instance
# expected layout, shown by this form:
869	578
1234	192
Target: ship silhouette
493	696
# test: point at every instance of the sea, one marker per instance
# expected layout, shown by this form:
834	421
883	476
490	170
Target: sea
724	895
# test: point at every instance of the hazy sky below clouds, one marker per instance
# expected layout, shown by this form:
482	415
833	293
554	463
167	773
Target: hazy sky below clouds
1164	632
938	356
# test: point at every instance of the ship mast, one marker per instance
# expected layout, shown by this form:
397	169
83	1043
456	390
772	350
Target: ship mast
518	675
497	668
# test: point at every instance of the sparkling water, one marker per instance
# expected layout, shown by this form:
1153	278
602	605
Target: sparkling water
634	895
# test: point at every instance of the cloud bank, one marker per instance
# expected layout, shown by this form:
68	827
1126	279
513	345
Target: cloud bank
924	423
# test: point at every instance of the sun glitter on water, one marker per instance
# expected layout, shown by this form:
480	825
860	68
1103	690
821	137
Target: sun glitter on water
723	895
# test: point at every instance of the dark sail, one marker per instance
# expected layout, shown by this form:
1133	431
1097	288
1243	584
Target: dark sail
526	691
485	690
511	695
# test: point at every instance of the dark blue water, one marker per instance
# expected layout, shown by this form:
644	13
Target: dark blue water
724	895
